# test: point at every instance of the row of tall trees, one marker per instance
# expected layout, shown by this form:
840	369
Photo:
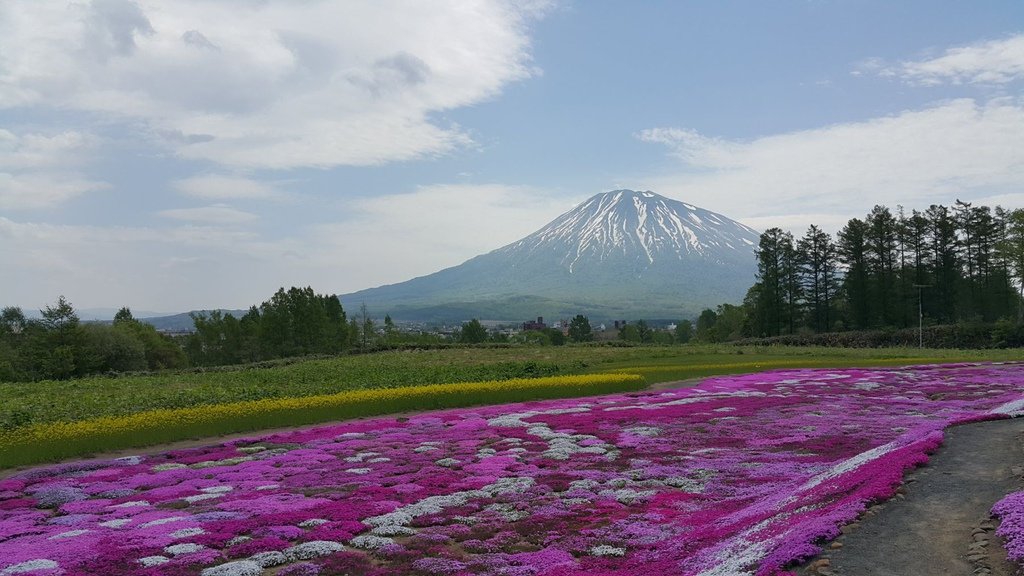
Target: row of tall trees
59	346
954	264
295	322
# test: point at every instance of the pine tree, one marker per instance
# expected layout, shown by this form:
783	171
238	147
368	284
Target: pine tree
817	258
944	264
853	253
881	245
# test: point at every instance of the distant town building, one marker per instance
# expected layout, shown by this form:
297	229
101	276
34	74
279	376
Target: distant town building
538	325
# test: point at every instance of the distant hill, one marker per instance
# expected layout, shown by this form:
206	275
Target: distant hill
183	322
619	255
97	314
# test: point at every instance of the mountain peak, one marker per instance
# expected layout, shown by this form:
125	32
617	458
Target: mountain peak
642	225
619	254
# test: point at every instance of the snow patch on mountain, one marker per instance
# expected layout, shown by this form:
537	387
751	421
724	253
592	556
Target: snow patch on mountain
622	222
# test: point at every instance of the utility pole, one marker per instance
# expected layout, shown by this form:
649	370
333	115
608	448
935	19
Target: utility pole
920	313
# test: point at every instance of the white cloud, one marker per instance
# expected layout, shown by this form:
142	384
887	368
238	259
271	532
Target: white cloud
222	187
39	171
991	62
137	266
799	223
956	149
205	263
434	227
272	84
213	214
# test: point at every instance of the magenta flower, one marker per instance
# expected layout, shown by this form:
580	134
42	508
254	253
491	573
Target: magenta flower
740	475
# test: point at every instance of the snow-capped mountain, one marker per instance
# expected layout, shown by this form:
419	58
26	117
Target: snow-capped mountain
637	226
620	254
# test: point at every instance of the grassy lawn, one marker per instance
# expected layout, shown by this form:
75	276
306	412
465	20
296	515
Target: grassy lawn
69	401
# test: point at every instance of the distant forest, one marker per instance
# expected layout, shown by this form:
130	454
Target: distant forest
59	346
960	265
294	322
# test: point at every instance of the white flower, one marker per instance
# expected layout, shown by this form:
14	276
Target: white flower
115	523
224	462
268	559
132	504
201	497
160	521
509	486
628	495
358	470
170	466
68	534
392	530
361	456
312	522
179	549
237	568
30	566
314	549
606	550
150	561
370	542
187	533
216	489
508	511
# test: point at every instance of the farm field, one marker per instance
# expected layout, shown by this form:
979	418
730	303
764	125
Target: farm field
48	401
743	474
50	441
39	424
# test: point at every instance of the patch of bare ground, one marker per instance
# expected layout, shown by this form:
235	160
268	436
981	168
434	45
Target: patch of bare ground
938	523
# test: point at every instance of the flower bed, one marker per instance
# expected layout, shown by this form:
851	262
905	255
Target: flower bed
741	475
1011	511
52	441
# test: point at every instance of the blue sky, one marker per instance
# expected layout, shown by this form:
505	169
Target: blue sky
172	156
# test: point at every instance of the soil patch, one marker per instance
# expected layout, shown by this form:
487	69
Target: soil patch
938	523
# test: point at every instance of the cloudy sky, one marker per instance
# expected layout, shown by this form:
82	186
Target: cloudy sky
192	154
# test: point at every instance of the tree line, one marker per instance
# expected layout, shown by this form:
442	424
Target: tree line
943	265
59	346
295	322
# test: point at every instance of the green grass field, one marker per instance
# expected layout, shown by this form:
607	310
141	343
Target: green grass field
69	401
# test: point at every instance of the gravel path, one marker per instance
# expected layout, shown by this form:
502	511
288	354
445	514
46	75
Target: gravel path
939	524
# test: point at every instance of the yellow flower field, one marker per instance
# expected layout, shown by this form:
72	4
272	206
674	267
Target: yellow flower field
52	441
